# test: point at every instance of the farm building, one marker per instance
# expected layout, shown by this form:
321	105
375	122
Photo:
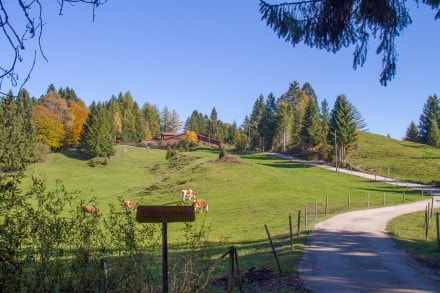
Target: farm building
173	138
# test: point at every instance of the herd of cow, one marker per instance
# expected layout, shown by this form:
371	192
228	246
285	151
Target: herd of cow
197	204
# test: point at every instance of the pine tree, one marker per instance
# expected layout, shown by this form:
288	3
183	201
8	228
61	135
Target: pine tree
430	114
412	133
343	126
433	137
175	121
165	120
284	125
17	132
255	122
311	133
152	116
97	137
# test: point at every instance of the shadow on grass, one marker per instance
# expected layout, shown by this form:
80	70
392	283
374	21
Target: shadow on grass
75	154
287	164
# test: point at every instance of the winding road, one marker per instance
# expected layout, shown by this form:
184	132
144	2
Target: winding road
352	252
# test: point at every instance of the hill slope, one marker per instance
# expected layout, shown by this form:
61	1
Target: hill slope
403	160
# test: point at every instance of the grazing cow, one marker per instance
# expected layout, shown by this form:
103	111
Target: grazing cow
128	204
187	193
91	210
200	204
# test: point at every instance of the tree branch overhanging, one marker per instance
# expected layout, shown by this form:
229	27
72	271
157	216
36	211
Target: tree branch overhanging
26	27
335	24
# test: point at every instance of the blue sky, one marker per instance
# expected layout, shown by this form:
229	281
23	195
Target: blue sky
196	55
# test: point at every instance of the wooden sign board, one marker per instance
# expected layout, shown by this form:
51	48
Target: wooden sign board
165	214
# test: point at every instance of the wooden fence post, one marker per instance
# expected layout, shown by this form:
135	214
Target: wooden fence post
349	201
326	205
299	224
368	200
432	207
305	217
438	232
104	274
231	271
291	232
403	197
316	211
384	199
273	248
426	222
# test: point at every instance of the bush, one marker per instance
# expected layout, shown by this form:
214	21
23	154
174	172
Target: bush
48	244
223	153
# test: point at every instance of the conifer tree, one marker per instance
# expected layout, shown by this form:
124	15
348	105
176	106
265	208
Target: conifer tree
152	116
97	137
311	133
430	114
17	133
412	133
255	122
433	137
343	127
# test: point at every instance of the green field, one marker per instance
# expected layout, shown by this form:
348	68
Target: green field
410	233
403	160
242	198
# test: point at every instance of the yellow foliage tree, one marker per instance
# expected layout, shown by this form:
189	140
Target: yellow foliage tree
191	136
50	128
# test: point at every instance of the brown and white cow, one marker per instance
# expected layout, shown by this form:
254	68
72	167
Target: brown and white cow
91	210
200	204
187	193
128	204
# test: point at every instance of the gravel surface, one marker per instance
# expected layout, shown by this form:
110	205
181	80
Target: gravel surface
352	252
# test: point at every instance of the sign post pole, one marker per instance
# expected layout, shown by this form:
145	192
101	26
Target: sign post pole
165	215
164	258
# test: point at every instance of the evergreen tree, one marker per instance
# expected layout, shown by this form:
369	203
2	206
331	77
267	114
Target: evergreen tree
165	120
311	133
430	114
175	121
268	122
343	126
97	137
213	124
325	118
129	113
255	123
152	116
310	92
284	125
17	133
412	133
433	137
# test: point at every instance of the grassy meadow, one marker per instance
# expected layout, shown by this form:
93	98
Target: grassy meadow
410	233
243	198
403	160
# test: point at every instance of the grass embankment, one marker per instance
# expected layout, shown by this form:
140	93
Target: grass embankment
410	233
403	160
242	198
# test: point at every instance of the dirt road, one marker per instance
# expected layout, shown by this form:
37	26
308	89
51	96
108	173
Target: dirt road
352	252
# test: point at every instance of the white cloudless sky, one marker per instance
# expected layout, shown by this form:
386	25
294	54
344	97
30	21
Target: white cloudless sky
200	54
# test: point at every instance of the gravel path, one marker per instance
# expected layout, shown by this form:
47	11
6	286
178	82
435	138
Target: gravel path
352	252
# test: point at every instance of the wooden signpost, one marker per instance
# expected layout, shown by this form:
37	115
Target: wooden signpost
165	215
